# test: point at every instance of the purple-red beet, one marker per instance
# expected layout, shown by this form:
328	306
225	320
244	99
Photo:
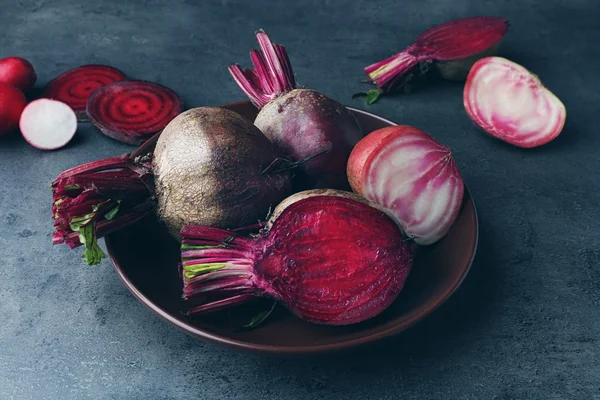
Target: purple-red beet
132	111
455	46
75	86
301	122
331	257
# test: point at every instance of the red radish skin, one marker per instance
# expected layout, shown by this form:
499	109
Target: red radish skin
48	124
18	72
331	257
301	122
406	171
74	87
460	40
511	104
132	111
12	103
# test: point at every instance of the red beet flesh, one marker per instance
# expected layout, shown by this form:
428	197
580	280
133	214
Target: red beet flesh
454	40
75	86
301	122
330	259
12	103
18	72
132	111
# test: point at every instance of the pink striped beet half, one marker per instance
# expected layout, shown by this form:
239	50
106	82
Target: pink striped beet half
511	104
406	171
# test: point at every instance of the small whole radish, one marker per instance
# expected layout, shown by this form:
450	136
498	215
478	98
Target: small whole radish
18	72
12	103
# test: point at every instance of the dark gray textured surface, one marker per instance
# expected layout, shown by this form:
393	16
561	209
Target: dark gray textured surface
524	325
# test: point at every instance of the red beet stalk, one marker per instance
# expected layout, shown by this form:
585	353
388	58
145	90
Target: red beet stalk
132	111
75	86
98	198
329	256
272	74
456	40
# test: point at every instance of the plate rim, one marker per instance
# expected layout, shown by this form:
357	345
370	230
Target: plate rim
205	335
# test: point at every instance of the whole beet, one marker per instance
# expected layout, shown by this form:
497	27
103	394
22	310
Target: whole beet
314	130
303	123
208	167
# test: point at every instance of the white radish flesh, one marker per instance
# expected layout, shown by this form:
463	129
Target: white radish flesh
48	124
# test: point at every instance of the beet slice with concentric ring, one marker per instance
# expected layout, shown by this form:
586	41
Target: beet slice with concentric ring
75	86
132	111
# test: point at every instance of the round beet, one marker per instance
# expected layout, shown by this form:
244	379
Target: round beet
75	86
132	111
312	129
209	165
12	103
18	72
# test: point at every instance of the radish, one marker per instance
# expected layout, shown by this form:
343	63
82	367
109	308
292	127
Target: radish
454	46
330	256
18	72
73	87
133	111
412	175
301	122
511	104
48	124
210	166
12	103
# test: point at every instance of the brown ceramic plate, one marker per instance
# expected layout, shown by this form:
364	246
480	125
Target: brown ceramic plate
146	257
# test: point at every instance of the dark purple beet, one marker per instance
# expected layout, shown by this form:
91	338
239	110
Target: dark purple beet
302	122
331	257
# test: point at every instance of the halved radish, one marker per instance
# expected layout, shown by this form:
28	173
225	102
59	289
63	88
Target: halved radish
48	124
75	86
132	111
510	103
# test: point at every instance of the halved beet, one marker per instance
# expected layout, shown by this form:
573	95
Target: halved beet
75	86
134	110
331	257
48	124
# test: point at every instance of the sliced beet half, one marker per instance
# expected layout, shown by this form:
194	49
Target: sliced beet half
75	86
134	110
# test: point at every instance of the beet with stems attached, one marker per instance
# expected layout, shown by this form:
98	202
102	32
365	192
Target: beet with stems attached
301	122
12	103
18	72
48	124
132	111
210	166
330	256
75	86
511	104
454	46
412	175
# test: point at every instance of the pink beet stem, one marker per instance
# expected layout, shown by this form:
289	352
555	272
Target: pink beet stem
272	74
220	304
242	272
383	72
229	253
